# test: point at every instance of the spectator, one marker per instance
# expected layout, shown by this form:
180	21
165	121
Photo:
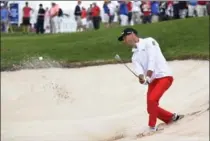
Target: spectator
123	11
84	19
129	7
60	18
136	12
155	11
169	9
4	18
112	9
47	20
118	13
54	24
192	8
96	16
208	8
183	9
77	14
40	20
146	7
163	9
176	9
89	17
106	13
26	17
201	8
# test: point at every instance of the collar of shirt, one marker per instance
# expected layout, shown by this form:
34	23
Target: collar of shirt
139	45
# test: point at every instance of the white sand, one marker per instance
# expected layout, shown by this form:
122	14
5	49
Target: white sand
99	103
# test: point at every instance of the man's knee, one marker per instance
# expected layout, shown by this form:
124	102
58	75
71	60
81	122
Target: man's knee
151	104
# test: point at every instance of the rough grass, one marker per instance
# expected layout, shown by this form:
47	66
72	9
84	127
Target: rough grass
179	39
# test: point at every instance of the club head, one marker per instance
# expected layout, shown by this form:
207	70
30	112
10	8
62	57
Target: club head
117	57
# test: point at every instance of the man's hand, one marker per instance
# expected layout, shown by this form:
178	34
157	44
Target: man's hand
145	80
149	73
141	79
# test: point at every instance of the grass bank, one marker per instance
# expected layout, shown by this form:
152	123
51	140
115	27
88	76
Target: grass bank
179	39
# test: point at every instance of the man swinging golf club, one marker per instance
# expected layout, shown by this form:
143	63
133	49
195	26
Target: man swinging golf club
152	70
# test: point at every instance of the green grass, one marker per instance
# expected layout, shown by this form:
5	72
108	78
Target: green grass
179	39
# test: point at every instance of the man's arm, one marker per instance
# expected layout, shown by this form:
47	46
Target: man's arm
139	71
32	10
151	50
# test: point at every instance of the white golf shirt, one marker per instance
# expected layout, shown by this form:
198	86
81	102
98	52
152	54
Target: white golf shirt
112	8
136	6
147	55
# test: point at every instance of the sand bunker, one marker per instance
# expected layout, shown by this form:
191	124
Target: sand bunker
101	103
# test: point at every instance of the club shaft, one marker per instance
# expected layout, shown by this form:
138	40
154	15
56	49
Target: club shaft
127	67
130	70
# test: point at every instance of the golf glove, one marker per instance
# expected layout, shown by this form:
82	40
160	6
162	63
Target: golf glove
147	80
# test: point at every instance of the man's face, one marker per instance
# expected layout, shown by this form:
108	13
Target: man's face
129	40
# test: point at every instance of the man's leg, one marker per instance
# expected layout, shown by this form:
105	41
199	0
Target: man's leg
149	19
99	22
37	26
54	25
205	10
28	25
199	10
6	26
138	18
59	22
111	19
78	26
24	25
129	18
190	11
42	26
124	20
95	23
2	26
155	92
55	20
144	20
164	115
121	20
51	25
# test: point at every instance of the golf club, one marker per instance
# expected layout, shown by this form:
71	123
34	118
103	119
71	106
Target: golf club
117	57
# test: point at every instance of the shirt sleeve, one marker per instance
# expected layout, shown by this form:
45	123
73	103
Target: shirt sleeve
137	67
151	50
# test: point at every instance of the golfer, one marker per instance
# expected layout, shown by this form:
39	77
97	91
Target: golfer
152	70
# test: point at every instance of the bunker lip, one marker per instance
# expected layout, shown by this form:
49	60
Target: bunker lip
81	64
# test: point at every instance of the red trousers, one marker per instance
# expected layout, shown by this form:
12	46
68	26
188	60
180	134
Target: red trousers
155	91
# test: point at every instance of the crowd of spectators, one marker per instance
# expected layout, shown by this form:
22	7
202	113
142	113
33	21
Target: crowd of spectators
129	12
121	12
